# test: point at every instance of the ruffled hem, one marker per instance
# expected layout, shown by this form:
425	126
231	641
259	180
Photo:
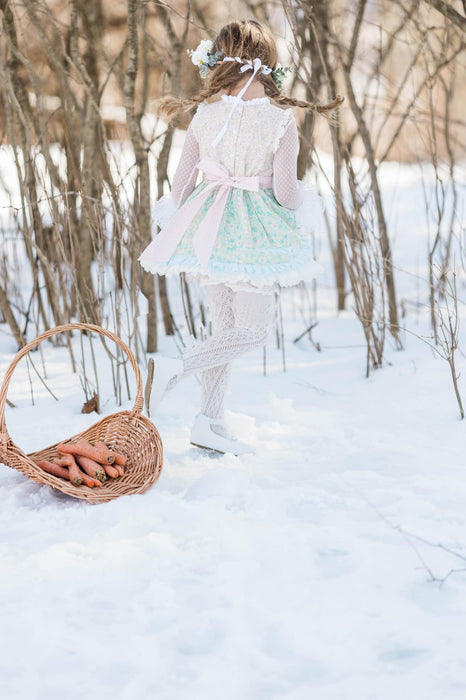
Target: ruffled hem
285	274
163	210
309	213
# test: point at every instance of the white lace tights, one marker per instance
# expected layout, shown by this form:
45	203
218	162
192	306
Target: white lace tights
240	322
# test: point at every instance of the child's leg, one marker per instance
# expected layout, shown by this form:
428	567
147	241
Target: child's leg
214	381
241	321
252	313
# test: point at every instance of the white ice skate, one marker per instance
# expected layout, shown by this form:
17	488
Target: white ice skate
203	434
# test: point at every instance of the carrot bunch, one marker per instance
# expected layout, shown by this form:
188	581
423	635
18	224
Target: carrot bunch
83	463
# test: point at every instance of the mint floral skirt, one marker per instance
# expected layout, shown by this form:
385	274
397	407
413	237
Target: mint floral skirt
259	242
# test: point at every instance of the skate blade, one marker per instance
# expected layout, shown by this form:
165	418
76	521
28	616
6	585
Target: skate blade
208	449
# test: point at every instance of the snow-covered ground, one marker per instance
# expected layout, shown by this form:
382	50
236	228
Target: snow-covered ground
303	571
329	565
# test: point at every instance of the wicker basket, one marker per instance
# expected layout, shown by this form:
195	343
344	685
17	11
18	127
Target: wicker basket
127	432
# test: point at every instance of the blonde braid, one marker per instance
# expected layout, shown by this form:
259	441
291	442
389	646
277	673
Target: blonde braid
171	107
272	91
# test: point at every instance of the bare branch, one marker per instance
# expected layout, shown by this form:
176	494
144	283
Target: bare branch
449	12
355	36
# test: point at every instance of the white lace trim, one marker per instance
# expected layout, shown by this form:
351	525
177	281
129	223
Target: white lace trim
288	278
283	126
164	209
246	103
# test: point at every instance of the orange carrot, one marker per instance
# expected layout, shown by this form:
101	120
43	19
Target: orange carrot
119	469
89	481
75	473
102	446
91	468
111	471
85	478
120	459
85	449
54	469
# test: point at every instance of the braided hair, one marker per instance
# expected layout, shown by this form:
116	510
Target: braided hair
245	39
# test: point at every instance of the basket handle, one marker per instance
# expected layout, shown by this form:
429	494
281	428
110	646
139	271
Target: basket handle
139	402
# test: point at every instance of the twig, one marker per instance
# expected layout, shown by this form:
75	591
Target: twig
148	386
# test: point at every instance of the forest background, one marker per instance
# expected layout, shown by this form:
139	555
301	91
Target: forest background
84	156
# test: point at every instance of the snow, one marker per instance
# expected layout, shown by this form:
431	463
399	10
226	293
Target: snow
296	572
330	564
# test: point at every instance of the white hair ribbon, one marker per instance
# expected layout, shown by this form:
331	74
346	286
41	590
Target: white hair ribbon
256	66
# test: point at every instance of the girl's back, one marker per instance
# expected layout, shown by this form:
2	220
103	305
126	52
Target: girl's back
252	137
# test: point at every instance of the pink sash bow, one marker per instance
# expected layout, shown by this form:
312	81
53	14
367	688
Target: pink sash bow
216	176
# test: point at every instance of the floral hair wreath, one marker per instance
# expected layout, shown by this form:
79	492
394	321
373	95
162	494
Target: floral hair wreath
203	57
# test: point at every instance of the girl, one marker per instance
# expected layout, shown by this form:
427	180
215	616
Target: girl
237	230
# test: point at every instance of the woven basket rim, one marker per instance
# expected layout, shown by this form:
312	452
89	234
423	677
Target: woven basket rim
13	456
139	401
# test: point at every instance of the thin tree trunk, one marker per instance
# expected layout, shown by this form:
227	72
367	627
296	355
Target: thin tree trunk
142	193
10	319
383	233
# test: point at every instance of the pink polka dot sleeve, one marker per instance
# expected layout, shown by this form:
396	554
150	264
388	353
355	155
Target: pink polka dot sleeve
285	179
186	173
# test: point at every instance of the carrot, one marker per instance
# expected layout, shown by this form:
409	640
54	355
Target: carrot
91	468
75	473
105	448
85	449
120	460
54	469
89	481
85	478
111	471
119	469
